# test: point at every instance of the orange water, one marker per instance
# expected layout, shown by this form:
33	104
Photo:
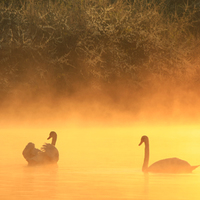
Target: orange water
100	163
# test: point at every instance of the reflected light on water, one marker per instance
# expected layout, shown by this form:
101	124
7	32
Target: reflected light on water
100	163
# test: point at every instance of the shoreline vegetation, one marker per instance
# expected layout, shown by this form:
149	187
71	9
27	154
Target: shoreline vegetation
111	47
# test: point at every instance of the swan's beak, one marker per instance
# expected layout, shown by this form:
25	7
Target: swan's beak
48	137
141	142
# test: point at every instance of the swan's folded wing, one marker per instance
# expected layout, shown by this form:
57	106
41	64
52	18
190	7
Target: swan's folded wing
51	152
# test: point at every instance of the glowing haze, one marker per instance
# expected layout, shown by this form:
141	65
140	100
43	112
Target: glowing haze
160	103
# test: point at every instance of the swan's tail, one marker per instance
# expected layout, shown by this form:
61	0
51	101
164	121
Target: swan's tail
194	167
31	154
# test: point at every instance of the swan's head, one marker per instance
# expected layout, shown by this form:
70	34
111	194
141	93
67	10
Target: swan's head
144	139
52	134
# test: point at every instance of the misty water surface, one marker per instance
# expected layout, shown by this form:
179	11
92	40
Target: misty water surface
99	163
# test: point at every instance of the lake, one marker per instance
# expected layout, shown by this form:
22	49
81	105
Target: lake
99	163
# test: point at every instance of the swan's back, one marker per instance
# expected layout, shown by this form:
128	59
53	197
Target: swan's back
171	165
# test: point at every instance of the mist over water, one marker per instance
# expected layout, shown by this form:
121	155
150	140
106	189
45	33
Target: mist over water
162	103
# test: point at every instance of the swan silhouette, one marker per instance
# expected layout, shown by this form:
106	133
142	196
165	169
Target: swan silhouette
47	154
169	165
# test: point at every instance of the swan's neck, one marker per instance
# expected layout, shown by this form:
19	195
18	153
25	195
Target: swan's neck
54	140
146	157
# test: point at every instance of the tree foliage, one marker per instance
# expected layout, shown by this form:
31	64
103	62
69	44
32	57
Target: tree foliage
62	45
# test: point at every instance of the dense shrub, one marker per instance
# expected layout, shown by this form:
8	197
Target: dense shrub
65	45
